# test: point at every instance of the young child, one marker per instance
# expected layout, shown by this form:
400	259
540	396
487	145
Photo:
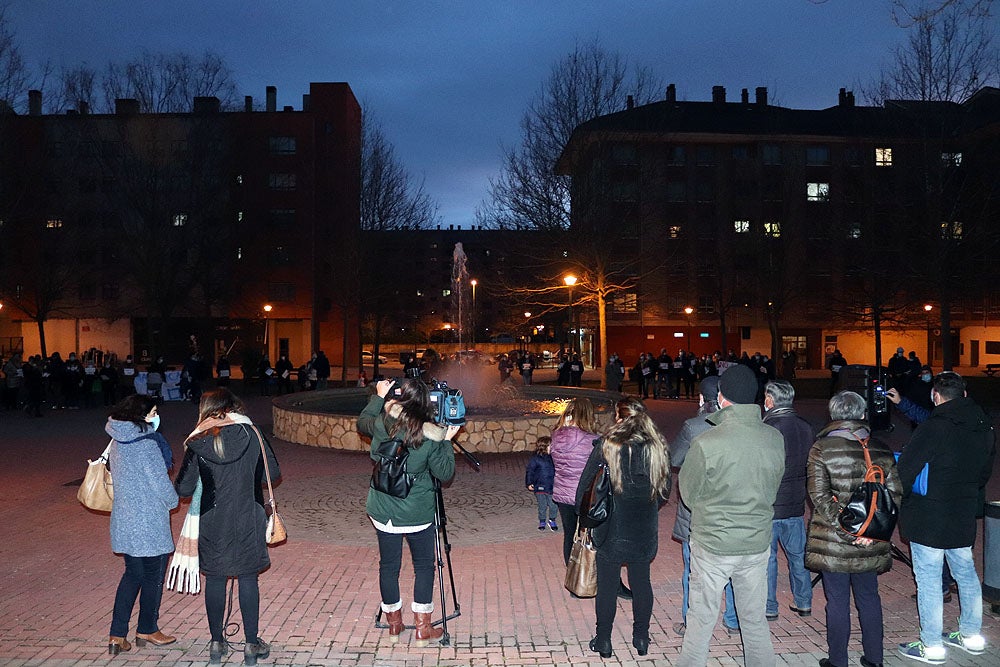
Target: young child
539	477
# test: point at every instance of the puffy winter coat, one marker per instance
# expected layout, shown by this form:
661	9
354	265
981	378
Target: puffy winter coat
836	467
231	531
957	443
540	473
140	514
570	449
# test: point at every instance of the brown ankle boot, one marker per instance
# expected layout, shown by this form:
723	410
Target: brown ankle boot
424	630
395	621
118	644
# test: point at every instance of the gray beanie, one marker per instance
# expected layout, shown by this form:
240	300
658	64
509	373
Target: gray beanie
738	384
710	388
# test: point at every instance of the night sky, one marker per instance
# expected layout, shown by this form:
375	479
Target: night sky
450	80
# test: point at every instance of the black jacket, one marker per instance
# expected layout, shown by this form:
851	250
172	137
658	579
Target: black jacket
958	443
798	435
231	530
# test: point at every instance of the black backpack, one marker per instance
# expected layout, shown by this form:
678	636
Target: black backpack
389	472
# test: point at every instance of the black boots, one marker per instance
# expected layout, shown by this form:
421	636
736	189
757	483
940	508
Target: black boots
253	650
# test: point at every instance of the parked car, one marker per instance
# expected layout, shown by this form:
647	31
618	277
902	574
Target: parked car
368	358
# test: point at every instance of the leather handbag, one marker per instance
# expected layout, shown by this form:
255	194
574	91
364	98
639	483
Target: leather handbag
581	571
275	532
97	492
389	472
596	504
870	512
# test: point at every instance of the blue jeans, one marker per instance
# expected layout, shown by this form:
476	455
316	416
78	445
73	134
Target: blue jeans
143	578
546	507
791	533
729	617
927	564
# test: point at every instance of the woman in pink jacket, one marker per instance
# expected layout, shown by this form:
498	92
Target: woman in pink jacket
572	442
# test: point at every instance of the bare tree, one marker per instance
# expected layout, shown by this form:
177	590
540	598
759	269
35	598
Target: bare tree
167	83
909	12
14	73
74	85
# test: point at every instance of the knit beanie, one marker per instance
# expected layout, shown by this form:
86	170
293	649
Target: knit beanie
710	388
738	384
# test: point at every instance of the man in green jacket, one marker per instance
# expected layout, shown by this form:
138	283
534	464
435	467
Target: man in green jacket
730	479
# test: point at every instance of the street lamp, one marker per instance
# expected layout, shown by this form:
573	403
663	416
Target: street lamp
930	341
267	311
527	316
687	311
473	282
570	281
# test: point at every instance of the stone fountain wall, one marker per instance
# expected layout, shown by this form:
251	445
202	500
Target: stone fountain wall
297	419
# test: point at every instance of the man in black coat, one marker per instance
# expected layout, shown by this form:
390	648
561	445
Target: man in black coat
788	527
938	515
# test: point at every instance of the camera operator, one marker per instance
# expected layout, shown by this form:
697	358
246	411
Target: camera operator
401	410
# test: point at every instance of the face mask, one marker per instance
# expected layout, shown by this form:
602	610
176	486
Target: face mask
154	422
925	378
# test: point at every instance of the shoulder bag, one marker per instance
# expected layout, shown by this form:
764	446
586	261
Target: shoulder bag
870	512
275	532
581	570
596	504
97	492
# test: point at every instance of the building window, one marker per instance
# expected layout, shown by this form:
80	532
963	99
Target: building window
951	230
281	255
625	154
741	226
281	145
109	291
817	156
706	304
179	219
705	192
239	216
239	252
281	292
741	152
817	191
446	292
625	191
676	156
770	154
88	292
772	228
54	223
420	292
951	159
854	230
282	217
676	191
883	157
674	231
239	179
852	156
625	302
281	181
705	155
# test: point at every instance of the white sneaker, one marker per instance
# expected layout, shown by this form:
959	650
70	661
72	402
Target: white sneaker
974	644
934	655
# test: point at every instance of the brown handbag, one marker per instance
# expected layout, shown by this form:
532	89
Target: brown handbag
275	532
97	492
581	571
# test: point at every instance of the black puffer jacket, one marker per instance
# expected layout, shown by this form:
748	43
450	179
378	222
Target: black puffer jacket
836	467
958	444
231	530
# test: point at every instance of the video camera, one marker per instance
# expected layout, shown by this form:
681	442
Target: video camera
447	404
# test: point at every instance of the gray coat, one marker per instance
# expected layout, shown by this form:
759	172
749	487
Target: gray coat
144	496
678	451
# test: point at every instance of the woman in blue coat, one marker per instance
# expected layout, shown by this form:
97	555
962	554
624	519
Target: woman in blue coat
140	519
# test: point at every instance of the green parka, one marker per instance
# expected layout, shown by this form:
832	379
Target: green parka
434	457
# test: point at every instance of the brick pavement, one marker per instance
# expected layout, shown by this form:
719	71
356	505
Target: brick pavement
320	596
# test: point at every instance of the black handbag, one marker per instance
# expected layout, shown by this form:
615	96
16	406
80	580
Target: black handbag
389	472
870	512
596	504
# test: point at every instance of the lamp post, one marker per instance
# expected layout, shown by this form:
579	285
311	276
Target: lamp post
473	282
570	281
267	311
527	328
930	341
687	311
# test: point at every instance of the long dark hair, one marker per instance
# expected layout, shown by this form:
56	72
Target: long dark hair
636	433
218	402
416	409
134	409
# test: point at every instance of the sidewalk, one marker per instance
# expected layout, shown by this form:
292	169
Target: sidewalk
320	596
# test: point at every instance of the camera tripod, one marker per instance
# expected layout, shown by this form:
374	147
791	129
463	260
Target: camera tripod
442	555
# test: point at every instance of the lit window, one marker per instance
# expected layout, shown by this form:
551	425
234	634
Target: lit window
281	145
180	219
951	230
817	156
239	216
772	228
741	226
626	302
420	292
281	181
54	223
239	252
239	179
854	230
675	231
818	191
446	292
883	157
951	159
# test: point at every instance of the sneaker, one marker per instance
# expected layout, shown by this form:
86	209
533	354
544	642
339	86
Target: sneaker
552	525
974	644
541	525
933	655
680	629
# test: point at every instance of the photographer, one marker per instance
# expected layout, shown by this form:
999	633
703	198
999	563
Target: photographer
400	409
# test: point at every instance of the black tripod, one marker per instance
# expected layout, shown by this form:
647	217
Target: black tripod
442	554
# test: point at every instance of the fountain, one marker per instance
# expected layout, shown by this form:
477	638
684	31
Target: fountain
504	417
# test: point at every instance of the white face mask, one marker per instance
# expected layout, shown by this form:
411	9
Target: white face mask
154	421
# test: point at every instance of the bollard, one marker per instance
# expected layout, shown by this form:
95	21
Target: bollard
991	556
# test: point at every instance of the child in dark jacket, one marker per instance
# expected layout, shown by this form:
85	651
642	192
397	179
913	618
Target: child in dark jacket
539	478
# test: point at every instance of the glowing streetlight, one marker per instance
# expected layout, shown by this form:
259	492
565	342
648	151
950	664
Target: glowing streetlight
570	281
930	340
267	311
687	311
473	282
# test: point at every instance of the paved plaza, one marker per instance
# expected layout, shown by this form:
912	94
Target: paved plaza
320	596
